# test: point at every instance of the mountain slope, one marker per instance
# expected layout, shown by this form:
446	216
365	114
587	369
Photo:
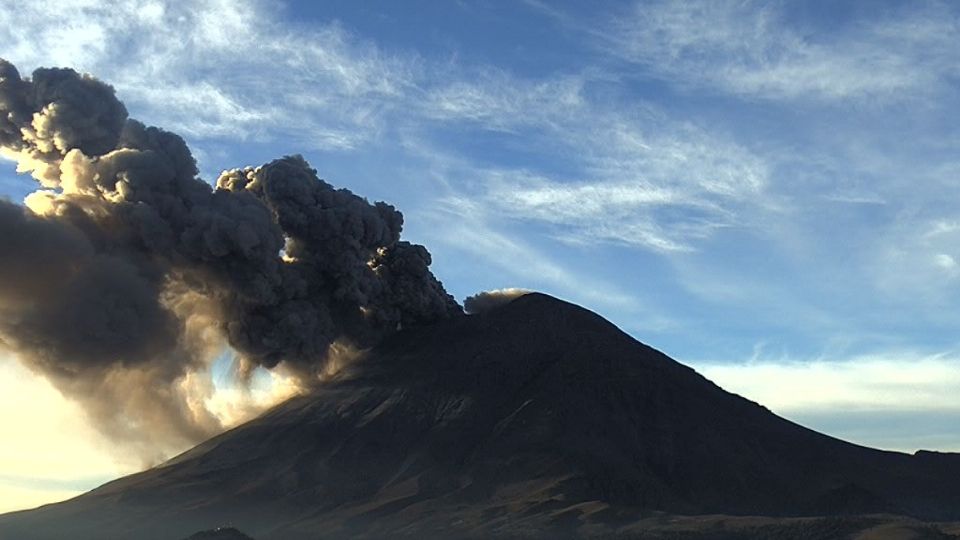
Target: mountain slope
536	416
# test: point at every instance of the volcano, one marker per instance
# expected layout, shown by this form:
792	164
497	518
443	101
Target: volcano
535	418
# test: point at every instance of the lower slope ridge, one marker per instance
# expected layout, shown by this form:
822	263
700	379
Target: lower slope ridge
535	416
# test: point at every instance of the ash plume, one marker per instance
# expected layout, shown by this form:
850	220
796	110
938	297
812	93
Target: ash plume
125	274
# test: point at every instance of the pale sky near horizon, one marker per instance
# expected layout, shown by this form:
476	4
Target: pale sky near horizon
768	191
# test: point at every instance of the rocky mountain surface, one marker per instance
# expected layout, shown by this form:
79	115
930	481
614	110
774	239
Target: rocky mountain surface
534	419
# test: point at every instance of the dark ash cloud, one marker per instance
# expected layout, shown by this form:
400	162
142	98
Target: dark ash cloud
118	267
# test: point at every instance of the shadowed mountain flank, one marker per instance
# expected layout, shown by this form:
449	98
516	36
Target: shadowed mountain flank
536	417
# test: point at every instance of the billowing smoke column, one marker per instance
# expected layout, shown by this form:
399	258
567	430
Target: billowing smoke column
126	273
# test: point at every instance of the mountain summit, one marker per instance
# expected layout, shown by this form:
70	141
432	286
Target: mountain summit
537	416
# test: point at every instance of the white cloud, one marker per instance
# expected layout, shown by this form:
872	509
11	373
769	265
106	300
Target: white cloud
750	48
854	197
865	399
662	192
499	101
875	382
214	68
634	175
947	262
915	263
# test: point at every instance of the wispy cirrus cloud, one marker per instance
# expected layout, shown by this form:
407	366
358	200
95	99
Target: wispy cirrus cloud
216	68
497	100
918	261
633	175
233	70
647	183
750	48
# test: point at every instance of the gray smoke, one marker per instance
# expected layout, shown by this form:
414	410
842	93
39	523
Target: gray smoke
127	269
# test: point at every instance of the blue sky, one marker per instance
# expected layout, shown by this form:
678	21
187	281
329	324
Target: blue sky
769	191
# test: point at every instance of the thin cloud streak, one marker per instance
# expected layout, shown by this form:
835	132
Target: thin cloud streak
885	382
747	48
644	180
215	68
904	402
248	63
662	192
